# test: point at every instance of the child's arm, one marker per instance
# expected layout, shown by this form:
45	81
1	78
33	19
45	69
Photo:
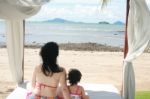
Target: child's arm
84	96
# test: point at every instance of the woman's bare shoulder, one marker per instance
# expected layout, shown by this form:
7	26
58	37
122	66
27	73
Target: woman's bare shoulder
81	87
38	67
62	69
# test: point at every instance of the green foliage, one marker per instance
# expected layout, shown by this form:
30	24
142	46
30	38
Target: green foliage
142	95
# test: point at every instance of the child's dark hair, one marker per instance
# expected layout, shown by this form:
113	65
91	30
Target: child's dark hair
49	53
74	76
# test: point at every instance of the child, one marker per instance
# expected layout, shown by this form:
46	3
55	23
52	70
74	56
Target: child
47	76
76	91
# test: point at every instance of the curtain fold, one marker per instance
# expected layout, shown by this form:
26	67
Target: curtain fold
27	2
129	81
15	11
138	38
15	45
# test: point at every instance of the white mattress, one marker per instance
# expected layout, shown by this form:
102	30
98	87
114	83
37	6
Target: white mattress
94	91
102	91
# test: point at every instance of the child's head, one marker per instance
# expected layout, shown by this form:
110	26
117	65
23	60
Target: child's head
74	76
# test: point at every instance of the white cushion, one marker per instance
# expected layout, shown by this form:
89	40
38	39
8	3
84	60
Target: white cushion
94	91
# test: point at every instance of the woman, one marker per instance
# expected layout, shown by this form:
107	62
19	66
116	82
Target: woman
47	76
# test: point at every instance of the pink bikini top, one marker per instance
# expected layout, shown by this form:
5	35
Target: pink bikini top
40	85
75	95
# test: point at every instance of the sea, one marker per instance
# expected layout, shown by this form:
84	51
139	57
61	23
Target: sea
42	32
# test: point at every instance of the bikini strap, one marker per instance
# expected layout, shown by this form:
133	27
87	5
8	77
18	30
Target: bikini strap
78	88
47	85
76	92
44	85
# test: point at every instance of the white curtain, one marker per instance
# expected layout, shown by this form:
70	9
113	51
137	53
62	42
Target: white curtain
11	10
14	12
15	42
138	38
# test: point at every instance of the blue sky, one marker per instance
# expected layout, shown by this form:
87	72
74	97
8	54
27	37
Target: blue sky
88	11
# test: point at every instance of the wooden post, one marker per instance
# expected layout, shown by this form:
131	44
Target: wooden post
126	34
126	38
23	50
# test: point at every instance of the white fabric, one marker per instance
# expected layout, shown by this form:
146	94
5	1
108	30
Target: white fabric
138	38
18	93
129	81
27	2
94	91
15	11
15	42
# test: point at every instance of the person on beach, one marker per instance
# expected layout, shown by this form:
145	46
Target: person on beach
76	91
48	75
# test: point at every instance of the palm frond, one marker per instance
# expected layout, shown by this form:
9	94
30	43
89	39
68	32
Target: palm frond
104	2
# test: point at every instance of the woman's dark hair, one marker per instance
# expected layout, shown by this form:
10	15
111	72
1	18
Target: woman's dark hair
74	76
49	53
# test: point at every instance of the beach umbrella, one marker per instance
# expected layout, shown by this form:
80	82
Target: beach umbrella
137	37
14	12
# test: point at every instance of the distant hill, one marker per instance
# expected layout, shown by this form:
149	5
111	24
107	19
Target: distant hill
115	23
118	23
59	20
103	22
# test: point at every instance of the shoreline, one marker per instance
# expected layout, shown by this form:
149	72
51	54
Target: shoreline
80	47
77	47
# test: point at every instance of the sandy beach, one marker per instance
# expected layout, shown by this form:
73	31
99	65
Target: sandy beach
96	67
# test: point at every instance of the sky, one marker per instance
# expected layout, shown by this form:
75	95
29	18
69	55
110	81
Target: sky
88	11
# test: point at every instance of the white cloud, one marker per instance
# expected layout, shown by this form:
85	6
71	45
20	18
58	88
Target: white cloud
148	3
76	1
79	12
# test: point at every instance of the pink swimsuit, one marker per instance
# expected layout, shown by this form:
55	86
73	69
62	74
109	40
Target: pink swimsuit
30	95
75	95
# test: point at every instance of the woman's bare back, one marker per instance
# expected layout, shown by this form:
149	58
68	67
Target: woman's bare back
46	85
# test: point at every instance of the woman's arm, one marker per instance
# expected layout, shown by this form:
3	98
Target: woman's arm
33	82
63	84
